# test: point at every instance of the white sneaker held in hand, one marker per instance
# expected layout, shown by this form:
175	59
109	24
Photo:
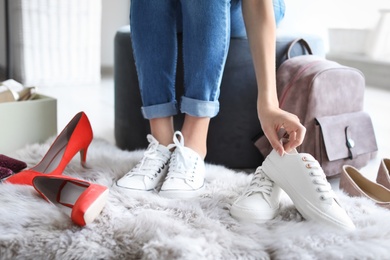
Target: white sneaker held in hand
185	177
303	179
259	202
148	173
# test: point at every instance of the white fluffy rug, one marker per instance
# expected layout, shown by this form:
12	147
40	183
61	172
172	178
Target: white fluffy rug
151	227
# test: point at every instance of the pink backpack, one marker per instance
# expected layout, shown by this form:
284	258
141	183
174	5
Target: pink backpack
328	98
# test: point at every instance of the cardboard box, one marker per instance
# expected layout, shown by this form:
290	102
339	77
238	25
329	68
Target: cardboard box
27	122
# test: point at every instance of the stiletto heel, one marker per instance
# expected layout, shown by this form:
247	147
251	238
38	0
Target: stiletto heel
75	137
83	157
82	201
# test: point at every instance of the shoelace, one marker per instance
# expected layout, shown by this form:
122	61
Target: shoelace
152	162
260	184
319	178
180	165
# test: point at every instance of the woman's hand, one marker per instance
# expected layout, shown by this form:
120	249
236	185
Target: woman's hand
272	119
261	30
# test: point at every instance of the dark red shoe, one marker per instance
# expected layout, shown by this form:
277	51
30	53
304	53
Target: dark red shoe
13	164
5	172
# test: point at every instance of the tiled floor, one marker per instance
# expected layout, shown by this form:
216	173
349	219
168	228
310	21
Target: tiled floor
98	102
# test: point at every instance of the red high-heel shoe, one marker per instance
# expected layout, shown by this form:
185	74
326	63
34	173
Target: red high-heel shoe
81	200
75	137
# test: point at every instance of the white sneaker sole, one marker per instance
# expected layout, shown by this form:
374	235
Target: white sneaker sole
252	216
131	190
181	194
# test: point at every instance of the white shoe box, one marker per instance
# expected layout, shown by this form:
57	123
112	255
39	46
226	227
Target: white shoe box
27	122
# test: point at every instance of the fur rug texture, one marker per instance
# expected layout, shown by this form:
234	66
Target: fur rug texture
151	227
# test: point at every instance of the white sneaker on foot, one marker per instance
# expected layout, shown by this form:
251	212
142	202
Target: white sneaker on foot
148	173
185	178
303	179
259	202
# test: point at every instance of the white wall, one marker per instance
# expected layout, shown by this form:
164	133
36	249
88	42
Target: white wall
317	16
115	13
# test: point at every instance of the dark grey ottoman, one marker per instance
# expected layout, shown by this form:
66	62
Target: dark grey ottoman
232	131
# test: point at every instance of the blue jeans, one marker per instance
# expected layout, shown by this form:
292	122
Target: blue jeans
206	27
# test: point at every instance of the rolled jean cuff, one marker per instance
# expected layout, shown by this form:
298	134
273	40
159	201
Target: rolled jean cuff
160	110
199	108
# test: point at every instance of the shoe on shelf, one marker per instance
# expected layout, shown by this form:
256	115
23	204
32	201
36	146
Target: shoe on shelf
356	185
13	164
82	201
383	176
259	202
185	178
150	171
303	179
74	138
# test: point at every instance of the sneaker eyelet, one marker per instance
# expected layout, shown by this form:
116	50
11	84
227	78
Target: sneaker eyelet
311	174
322	197
304	159
308	166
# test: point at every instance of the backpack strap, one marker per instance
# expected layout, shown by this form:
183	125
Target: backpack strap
302	42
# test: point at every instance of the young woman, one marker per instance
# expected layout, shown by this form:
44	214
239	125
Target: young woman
206	26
